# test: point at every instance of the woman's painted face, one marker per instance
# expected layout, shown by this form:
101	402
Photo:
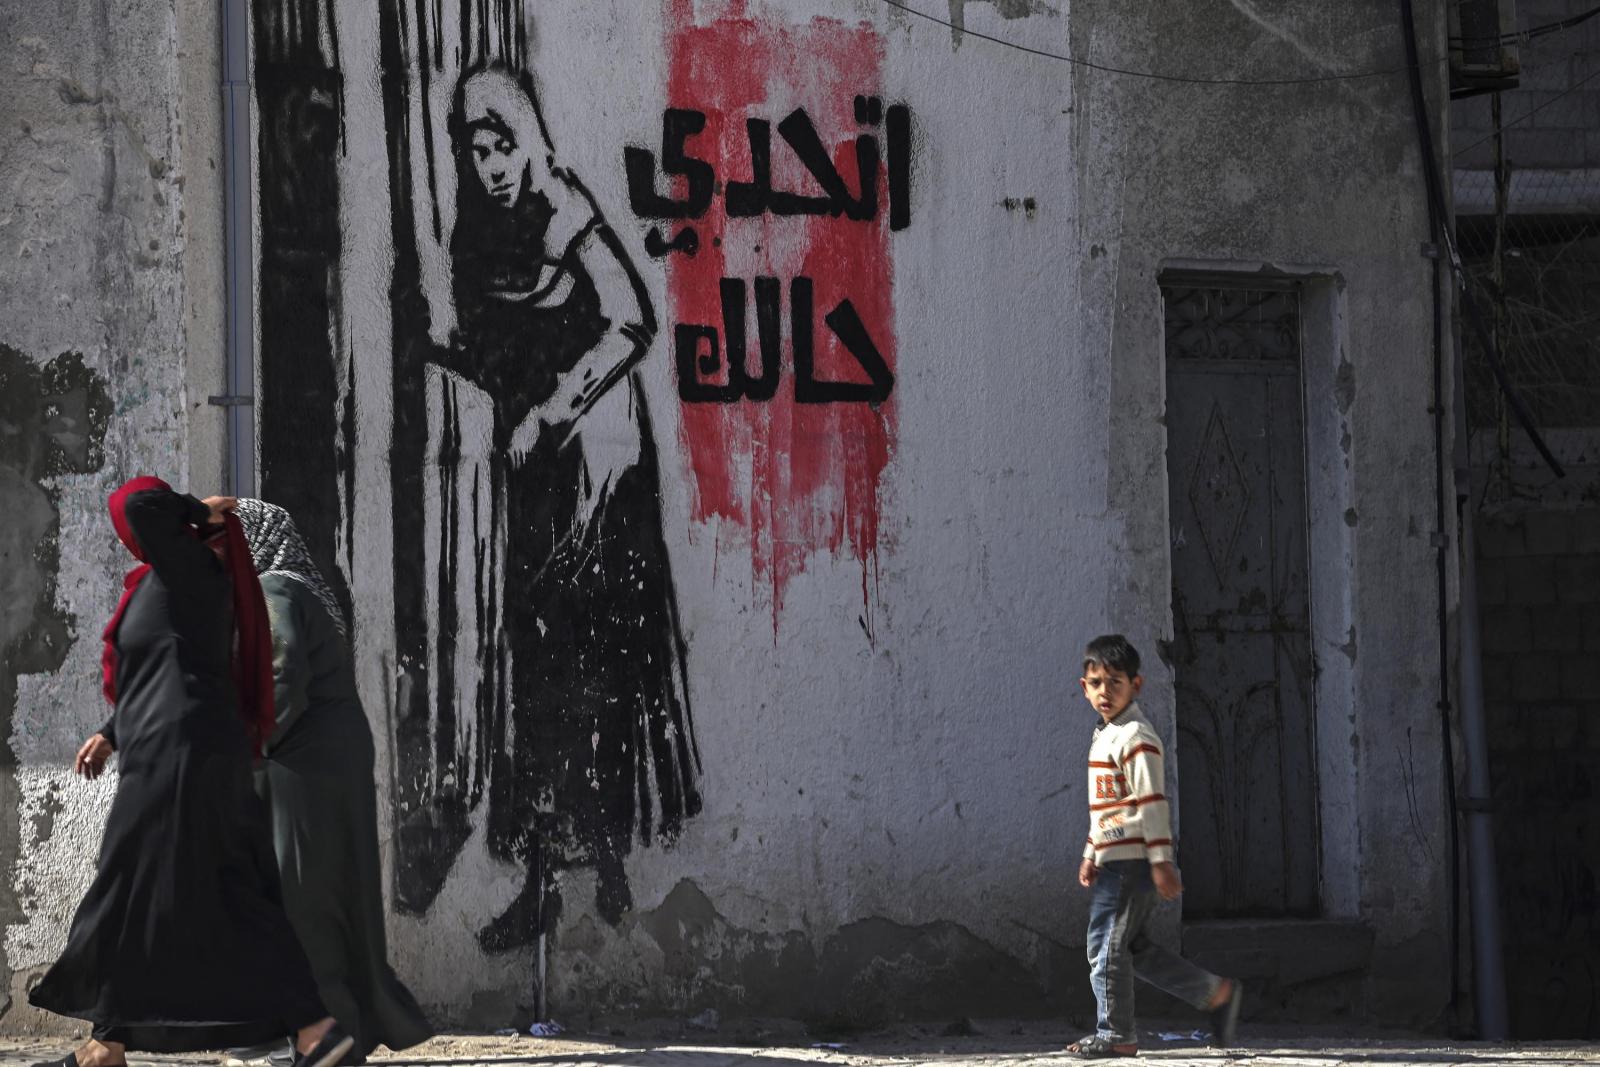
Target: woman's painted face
501	163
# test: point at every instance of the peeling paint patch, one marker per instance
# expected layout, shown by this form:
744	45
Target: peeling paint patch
53	420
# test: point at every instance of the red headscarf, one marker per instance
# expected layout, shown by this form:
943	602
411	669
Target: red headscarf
252	660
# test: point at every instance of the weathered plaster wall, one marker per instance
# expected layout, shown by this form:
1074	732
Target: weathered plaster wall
96	263
891	756
1321	179
853	715
881	606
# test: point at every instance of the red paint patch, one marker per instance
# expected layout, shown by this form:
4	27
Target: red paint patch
798	478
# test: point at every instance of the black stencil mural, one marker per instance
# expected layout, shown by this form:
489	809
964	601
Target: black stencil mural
538	664
541	661
304	415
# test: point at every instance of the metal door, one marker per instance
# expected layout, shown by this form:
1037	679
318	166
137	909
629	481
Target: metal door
1242	653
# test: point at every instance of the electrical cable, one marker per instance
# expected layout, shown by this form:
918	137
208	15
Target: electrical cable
1533	31
1574	87
1152	75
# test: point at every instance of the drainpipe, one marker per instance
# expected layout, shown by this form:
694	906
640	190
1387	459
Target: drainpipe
240	377
1488	969
1488	958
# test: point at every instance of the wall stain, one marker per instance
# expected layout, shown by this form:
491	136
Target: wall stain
44	821
867	973
53	420
1344	384
1008	9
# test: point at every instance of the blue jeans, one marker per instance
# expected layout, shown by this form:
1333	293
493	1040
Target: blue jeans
1121	902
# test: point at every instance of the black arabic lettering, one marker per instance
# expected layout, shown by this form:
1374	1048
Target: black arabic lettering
757	196
677	126
701	363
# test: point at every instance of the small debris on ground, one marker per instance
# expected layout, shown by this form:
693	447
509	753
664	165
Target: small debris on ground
707	1020
1174	1035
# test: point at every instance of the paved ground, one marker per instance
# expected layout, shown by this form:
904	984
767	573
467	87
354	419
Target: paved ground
990	1046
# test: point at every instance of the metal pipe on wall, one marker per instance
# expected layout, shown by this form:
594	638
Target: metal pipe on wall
1489	990
1487	953
239	239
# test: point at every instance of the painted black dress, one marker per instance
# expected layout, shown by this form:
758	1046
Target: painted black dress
601	750
181	941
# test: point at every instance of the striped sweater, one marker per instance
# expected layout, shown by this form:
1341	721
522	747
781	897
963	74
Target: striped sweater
1128	814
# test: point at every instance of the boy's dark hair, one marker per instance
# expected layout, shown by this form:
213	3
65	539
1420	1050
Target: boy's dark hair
1112	652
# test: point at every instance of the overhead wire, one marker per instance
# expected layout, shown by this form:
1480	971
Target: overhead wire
1152	75
1507	38
1533	31
1574	87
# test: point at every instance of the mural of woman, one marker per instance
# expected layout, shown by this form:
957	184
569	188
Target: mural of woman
551	321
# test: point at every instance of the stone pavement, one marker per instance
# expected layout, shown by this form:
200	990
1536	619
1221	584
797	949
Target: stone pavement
908	1047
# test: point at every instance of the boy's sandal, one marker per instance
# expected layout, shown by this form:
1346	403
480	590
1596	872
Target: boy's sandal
1095	1047
1225	1017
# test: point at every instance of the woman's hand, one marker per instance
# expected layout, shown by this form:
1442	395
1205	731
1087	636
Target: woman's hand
554	417
220	506
527	434
92	757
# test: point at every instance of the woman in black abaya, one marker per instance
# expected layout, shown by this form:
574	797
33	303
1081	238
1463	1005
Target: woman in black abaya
181	941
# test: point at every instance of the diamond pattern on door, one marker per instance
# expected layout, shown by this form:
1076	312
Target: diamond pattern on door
1219	494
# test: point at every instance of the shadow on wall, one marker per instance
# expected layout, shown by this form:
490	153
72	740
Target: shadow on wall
53	420
866	974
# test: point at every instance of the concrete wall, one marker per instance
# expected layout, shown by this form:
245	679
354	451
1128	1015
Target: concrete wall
1552	122
108	168
1538	574
878	604
1323	181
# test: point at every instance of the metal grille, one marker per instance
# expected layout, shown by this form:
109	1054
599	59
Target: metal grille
1226	323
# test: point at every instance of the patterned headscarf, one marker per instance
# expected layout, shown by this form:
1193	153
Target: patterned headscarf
276	547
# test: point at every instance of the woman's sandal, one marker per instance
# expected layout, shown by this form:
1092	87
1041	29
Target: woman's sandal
69	1060
330	1050
1095	1047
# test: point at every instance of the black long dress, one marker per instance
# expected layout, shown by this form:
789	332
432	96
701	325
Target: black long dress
181	941
317	781
601	750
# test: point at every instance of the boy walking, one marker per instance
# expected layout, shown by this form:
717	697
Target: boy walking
1128	862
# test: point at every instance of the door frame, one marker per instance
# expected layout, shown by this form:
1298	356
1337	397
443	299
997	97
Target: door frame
1327	397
